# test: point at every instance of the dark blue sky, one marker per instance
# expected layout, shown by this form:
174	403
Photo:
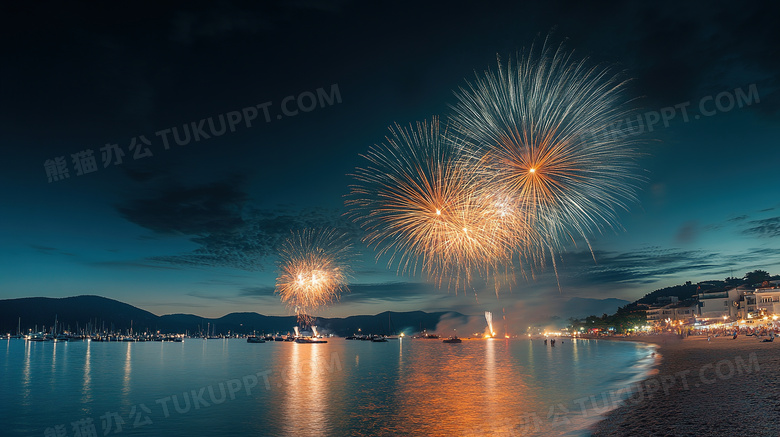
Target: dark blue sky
192	228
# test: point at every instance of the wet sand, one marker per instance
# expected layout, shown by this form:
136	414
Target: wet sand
722	387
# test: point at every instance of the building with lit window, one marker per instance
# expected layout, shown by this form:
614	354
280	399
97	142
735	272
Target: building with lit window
719	304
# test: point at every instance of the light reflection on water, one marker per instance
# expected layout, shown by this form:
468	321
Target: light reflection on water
128	370
86	385
305	387
402	387
26	374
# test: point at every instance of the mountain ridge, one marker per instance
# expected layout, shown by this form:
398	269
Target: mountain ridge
99	313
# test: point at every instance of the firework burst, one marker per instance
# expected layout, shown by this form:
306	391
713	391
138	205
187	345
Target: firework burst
537	158
545	130
313	270
420	205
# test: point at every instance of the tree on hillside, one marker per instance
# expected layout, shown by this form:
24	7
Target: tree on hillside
757	277
622	321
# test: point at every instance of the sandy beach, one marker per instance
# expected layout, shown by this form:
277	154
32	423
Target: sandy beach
721	387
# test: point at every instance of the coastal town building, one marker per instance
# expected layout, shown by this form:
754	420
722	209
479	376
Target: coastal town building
715	305
719	304
677	311
767	300
746	306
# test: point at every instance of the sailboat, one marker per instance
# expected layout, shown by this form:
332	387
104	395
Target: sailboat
390	328
18	329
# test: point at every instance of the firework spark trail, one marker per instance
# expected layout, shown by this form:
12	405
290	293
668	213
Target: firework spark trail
313	270
420	206
536	129
489	319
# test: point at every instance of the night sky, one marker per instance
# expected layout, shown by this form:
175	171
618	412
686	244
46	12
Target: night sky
193	227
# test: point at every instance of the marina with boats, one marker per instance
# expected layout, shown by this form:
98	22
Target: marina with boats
57	333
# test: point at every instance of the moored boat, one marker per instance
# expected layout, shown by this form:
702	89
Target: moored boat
309	340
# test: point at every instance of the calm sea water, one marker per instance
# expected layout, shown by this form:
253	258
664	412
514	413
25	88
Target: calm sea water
344	387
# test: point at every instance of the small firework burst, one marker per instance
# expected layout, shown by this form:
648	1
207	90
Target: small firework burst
314	268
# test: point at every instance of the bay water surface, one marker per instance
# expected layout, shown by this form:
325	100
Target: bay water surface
344	387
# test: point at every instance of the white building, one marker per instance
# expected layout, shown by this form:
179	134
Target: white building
716	305
746	306
674	311
767	300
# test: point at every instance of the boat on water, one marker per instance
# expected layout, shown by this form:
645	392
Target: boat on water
309	340
18	330
452	340
378	339
427	336
253	339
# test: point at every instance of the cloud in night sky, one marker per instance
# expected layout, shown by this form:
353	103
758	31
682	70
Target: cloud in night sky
642	266
50	250
388	291
218	217
678	44
261	291
361	293
765	228
123	265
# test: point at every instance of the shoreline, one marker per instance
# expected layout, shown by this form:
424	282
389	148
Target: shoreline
716	387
